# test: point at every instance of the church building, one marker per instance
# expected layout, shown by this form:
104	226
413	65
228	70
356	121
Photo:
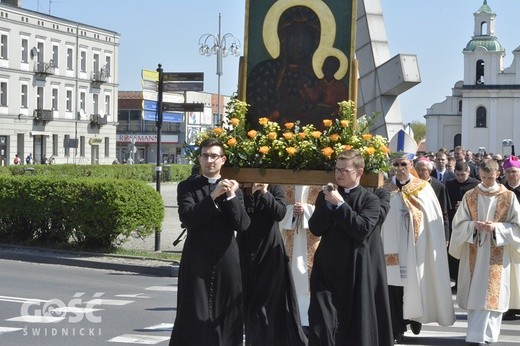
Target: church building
483	112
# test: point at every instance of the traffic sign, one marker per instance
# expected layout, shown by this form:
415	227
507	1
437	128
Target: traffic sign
183	86
183	76
168	117
150	85
150	75
182	107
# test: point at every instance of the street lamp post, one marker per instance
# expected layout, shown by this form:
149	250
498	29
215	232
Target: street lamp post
219	48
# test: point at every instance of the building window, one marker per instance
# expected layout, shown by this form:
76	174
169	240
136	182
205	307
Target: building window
107	147
95	103
107	104
23	96
55	56
95	63
83	61
54	99
3	94
481	117
82	97
69	100
217	119
66	143
480	72
25	50
3	46
108	61
460	106
69	59
54	145
41	48
39	98
82	146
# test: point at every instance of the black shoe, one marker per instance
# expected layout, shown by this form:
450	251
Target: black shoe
508	316
416	327
398	338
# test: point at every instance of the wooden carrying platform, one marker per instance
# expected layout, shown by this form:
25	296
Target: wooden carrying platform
292	177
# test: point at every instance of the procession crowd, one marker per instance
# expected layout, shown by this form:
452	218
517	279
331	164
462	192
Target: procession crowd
342	264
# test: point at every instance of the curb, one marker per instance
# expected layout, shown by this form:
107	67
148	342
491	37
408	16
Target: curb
138	265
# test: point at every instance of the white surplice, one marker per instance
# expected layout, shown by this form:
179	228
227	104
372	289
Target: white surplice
487	260
299	225
415	252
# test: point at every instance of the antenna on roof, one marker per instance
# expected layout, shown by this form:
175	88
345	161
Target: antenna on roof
50	4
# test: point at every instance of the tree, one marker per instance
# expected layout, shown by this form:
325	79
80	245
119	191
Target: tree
419	130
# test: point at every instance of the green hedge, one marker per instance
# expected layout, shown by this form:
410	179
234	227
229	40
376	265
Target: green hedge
143	172
83	213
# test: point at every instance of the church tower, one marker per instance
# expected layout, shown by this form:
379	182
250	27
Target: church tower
483	55
483	111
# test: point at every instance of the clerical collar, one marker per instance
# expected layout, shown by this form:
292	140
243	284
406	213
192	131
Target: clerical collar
349	190
401	183
212	180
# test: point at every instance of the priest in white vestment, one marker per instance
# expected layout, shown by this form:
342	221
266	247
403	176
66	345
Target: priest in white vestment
486	239
415	253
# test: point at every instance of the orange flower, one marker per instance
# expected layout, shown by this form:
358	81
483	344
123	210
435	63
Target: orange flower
385	149
288	135
232	142
234	121
327	152
316	134
217	130
252	134
291	151
263	149
348	146
327	122
370	150
302	135
289	126
344	123
263	121
334	137
366	136
271	135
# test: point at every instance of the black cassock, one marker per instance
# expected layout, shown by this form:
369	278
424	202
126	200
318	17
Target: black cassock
271	310
342	308
209	299
378	273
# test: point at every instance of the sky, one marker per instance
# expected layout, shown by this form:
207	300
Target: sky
168	32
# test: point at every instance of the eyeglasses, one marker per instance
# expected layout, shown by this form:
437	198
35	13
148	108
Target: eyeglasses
402	164
343	170
213	157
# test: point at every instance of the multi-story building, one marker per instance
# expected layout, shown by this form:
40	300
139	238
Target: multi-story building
483	111
58	88
137	137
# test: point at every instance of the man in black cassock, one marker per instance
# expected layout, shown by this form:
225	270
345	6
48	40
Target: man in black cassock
342	308
456	189
209	300
378	273
271	311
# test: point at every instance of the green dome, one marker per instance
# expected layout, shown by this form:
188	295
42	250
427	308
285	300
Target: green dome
489	43
485	8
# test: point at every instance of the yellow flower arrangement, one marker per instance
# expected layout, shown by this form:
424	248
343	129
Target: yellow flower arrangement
295	146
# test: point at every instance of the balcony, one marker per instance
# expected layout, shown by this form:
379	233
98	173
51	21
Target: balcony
98	120
43	115
44	69
99	77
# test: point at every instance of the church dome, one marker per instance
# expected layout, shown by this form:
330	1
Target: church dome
489	43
